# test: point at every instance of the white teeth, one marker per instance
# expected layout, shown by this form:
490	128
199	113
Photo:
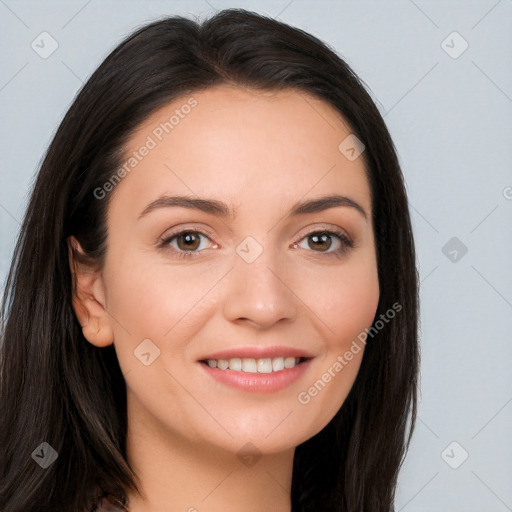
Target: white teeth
278	364
222	364
235	363
289	362
264	365
250	365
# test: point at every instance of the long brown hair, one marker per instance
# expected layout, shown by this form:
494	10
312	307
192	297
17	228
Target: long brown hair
57	388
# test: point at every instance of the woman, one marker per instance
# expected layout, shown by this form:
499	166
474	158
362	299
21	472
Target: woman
213	299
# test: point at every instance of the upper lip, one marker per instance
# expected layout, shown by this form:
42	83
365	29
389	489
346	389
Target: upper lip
258	352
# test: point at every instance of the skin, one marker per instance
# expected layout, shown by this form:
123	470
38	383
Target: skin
260	152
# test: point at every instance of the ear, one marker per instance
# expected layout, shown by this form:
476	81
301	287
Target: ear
89	297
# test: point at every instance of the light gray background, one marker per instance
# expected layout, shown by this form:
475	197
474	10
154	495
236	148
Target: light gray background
450	119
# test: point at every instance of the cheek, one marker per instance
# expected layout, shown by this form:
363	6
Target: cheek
134	301
139	300
347	301
149	299
346	305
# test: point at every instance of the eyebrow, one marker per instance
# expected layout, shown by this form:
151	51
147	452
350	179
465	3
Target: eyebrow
221	209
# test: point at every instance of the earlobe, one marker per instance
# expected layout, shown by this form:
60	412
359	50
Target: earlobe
89	297
98	331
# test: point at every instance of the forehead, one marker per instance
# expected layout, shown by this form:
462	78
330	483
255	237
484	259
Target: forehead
239	143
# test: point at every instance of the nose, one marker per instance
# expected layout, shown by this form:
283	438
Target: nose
258	293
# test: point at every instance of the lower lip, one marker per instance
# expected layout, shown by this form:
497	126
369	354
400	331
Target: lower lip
257	382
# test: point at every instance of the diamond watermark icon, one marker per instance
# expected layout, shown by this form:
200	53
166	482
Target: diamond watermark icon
454	455
249	249
454	249
454	45
249	455
44	45
351	147
44	455
146	352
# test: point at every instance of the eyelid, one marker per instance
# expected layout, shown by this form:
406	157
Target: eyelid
326	228
180	229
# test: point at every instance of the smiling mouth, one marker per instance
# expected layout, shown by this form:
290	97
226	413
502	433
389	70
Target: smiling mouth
251	365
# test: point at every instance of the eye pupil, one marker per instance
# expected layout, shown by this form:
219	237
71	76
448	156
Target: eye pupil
323	237
190	238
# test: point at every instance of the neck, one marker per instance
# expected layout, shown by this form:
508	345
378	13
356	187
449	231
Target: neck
183	474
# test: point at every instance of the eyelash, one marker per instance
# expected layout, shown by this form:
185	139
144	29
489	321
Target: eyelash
346	243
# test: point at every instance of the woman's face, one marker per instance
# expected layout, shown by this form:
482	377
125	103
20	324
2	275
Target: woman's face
251	277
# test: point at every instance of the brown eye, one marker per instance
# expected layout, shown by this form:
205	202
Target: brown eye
188	241
320	241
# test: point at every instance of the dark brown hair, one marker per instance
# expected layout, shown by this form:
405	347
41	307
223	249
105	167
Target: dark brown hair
57	388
